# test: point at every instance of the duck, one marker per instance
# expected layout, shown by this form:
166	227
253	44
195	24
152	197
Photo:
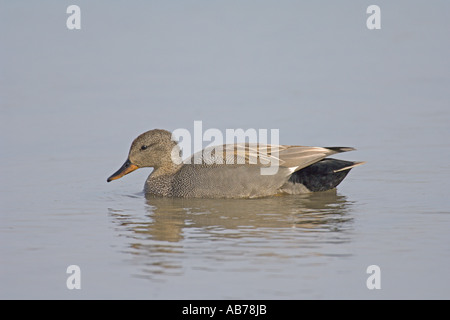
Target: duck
233	170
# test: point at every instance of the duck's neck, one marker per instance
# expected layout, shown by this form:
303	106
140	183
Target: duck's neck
167	170
159	182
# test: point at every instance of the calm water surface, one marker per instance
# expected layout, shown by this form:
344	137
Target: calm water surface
72	101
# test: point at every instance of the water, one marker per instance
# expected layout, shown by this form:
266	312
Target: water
72	101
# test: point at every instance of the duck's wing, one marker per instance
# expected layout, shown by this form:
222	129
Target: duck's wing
299	157
292	157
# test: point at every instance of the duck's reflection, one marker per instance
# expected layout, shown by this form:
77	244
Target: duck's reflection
174	230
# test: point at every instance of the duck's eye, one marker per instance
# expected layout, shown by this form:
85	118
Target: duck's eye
144	147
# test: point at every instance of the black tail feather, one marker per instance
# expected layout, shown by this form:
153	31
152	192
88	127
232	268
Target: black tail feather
341	149
323	175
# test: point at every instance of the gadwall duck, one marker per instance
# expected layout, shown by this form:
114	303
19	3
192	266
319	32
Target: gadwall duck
233	171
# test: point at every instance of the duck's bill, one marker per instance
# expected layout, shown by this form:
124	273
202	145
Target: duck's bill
125	169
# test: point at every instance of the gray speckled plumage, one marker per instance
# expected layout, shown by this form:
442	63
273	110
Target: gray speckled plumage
300	169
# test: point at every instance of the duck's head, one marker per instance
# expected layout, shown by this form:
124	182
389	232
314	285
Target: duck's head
154	148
